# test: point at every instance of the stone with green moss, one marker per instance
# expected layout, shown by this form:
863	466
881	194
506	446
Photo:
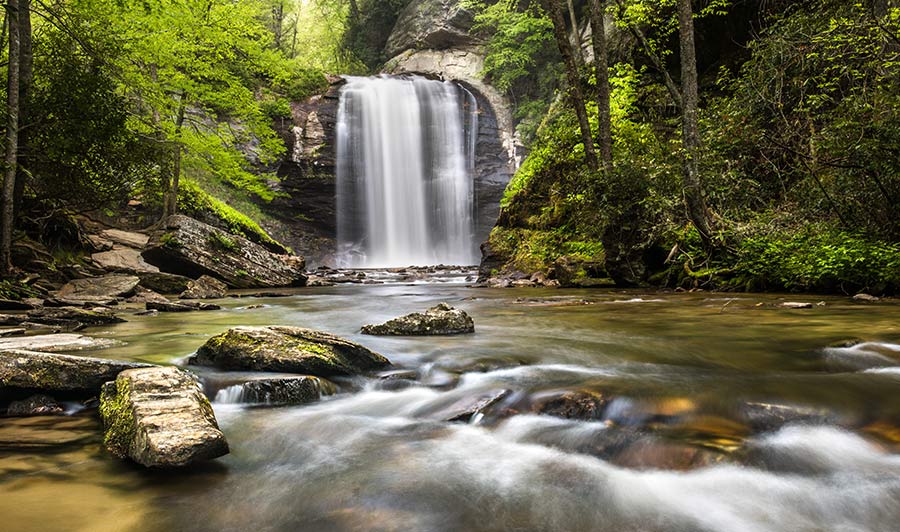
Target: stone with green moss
289	350
50	372
441	320
159	417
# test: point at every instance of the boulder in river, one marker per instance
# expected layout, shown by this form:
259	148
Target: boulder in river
440	320
577	404
36	405
106	287
278	391
192	248
58	373
205	287
287	349
159	417
164	283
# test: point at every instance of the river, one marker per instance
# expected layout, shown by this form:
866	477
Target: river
684	441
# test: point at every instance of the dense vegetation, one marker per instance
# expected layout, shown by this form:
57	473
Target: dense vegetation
790	179
798	160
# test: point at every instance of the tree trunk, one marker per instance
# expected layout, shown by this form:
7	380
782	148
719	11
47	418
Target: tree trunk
554	10
171	207
576	37
278	22
693	189
12	141
601	65
26	81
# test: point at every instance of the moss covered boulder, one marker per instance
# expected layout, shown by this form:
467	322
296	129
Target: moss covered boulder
51	372
441	320
192	248
159	417
287	349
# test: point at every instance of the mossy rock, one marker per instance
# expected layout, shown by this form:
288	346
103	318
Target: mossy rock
287	349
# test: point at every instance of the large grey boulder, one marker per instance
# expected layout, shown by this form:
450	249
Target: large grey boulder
50	372
159	417
287	349
192	248
93	288
164	283
431	24
441	320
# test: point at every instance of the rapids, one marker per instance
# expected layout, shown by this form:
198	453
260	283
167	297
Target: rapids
673	450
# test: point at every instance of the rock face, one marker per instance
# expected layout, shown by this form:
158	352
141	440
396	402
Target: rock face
440	320
287	349
58	373
159	417
278	391
106	287
205	287
437	24
191	248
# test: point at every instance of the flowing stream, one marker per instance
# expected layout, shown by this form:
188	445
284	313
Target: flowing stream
681	445
406	150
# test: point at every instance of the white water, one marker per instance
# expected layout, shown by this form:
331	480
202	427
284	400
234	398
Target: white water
405	149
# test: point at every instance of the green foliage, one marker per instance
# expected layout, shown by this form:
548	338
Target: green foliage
222	242
820	259
364	38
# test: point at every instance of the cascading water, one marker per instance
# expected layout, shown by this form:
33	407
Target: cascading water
406	150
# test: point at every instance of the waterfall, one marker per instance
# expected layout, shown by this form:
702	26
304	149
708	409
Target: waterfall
405	151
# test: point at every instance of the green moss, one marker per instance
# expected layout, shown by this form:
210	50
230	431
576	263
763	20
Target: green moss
169	240
195	202
118	417
222	242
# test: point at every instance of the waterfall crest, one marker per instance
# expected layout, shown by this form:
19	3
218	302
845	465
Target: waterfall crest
405	151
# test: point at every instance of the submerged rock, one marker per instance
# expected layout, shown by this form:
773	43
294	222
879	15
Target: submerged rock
580	405
53	343
52	372
437	321
278	391
159	417
36	405
471	409
287	349
205	287
106	287
192	248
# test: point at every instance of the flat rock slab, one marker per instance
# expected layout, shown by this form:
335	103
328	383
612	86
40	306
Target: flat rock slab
10	304
287	349
52	372
109	286
180	306
55	343
164	283
441	320
126	238
122	259
159	417
192	248
85	316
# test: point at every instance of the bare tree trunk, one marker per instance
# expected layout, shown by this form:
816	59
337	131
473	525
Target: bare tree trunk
278	22
12	141
171	207
601	65
26	81
554	10
693	189
576	36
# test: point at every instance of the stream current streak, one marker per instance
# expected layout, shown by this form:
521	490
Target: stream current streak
405	148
